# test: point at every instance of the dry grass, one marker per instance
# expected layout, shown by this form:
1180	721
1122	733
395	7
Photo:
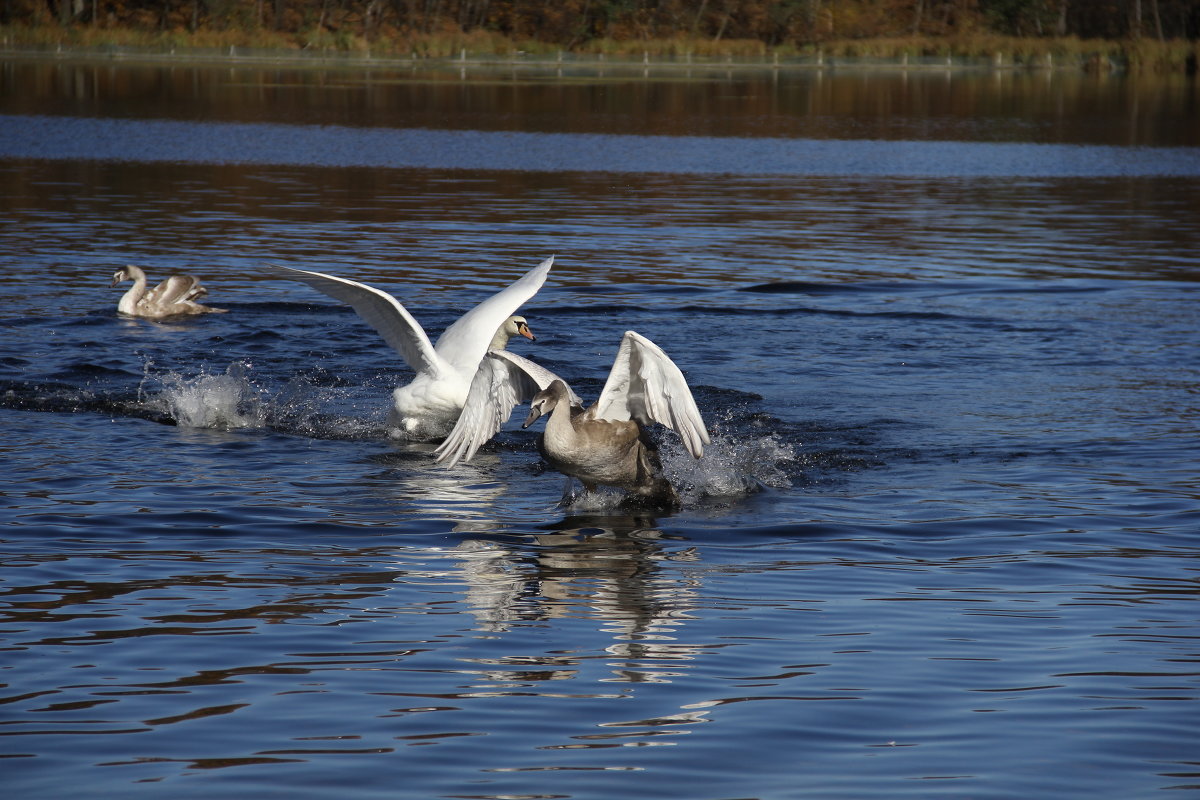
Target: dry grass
1145	54
1140	55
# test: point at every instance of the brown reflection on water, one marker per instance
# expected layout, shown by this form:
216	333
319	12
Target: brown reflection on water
849	103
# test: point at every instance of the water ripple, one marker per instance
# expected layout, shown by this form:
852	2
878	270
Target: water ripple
95	139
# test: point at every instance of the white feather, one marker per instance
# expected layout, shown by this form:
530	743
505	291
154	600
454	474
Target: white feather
430	404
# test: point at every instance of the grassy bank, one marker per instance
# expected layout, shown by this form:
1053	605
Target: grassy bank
1135	55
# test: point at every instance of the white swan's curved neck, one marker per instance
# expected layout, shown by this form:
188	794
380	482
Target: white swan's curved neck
503	334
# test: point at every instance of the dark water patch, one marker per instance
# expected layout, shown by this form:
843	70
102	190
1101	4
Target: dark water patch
289	309
85	372
783	532
727	399
253	342
810	287
617	311
71	399
1039	289
250	336
640	289
829	312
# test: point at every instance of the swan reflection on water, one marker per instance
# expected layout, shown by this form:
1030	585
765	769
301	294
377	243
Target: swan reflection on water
601	567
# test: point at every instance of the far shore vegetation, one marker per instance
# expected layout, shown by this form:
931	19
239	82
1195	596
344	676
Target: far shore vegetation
1134	35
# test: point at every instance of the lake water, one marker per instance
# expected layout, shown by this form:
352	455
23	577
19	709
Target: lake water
942	326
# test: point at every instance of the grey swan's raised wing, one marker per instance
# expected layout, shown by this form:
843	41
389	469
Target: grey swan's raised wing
645	385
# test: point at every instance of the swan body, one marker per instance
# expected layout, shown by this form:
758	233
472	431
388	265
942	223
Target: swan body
429	405
605	444
174	297
609	452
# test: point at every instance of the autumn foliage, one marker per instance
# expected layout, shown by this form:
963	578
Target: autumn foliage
590	25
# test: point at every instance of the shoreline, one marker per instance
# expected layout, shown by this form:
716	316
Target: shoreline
258	56
242	47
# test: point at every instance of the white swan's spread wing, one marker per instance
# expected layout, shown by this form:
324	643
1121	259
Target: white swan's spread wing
503	381
379	310
645	385
464	343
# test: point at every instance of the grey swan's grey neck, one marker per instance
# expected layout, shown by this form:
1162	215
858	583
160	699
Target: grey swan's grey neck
129	301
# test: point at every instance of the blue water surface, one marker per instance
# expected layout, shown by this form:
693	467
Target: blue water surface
944	543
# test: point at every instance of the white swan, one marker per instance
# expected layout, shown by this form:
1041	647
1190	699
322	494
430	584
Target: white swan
604	445
429	405
174	297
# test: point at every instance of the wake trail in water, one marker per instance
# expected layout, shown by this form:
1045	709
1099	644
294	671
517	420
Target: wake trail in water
746	455
236	400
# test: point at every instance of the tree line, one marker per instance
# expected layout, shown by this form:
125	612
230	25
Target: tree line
574	23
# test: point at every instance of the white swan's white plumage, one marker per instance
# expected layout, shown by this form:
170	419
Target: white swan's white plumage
428	406
175	297
503	381
602	445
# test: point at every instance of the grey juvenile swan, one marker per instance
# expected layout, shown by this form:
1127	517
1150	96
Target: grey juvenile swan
427	407
174	297
603	445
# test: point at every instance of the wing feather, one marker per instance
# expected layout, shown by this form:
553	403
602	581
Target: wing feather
503	381
378	309
172	290
465	342
647	386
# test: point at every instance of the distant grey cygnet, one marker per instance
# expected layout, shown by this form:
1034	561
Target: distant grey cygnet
174	297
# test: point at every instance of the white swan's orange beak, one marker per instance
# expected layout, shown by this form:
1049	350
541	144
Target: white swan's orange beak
523	329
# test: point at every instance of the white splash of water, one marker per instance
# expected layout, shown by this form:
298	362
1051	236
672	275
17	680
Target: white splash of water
327	412
733	465
224	402
234	400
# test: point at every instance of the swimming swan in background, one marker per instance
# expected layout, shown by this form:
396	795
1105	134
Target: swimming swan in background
604	445
428	406
174	297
